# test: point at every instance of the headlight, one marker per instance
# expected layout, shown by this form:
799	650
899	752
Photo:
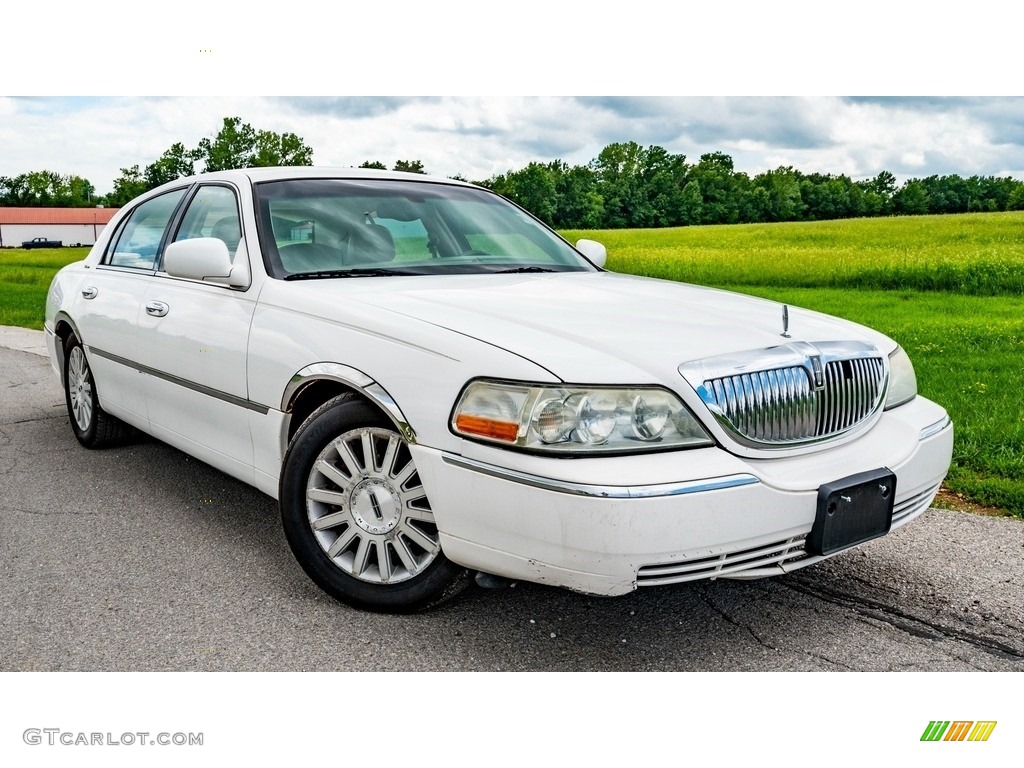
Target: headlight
576	420
902	379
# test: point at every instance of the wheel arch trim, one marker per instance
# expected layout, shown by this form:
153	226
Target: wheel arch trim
353	379
62	318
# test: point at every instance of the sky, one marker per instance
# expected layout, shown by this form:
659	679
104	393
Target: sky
690	78
480	136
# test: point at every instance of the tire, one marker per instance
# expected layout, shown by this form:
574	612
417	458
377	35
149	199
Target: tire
355	513
94	427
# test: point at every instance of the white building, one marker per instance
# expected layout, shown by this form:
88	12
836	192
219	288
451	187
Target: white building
72	226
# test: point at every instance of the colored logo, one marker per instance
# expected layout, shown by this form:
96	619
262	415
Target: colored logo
958	730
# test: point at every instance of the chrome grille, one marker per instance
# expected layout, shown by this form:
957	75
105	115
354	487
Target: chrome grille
853	389
819	391
769	406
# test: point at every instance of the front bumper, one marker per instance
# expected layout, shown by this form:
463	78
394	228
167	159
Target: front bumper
607	525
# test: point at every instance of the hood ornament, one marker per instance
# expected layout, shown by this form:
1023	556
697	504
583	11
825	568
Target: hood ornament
785	321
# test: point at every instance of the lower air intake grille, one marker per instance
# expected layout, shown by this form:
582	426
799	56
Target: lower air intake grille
766	560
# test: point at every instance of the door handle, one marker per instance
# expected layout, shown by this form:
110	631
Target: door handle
156	308
89	292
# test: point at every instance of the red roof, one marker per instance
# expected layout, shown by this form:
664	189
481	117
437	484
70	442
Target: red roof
56	215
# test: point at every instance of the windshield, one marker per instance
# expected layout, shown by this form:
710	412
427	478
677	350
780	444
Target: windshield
324	228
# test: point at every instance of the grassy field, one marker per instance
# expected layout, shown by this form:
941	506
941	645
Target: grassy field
24	279
948	288
975	254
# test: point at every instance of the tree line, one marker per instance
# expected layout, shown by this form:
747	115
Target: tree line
626	185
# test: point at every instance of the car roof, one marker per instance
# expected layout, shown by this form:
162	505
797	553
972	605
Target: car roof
313	172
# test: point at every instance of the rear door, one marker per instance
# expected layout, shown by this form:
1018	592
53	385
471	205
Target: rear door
107	309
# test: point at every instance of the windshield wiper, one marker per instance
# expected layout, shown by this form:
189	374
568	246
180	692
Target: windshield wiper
523	269
362	272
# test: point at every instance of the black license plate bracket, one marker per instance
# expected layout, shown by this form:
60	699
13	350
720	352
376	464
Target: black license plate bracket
852	510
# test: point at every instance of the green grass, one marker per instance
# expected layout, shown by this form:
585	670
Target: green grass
24	279
976	254
968	352
948	288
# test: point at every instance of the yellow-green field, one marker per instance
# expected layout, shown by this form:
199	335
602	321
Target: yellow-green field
977	254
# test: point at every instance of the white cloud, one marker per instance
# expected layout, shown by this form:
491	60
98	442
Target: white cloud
481	136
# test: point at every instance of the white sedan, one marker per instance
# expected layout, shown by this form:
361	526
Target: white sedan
429	380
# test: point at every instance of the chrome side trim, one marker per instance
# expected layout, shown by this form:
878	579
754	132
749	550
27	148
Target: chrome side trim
354	379
241	402
934	429
601	491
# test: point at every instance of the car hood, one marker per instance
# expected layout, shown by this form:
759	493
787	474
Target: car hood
595	327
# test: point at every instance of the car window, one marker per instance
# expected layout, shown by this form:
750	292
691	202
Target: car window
137	244
212	212
323	227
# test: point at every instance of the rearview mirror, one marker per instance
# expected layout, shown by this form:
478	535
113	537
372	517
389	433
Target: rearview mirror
594	251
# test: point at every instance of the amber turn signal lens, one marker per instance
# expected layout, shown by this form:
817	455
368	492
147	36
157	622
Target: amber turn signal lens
496	430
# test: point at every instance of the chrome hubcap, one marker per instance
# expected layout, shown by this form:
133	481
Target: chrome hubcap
376	506
368	510
80	388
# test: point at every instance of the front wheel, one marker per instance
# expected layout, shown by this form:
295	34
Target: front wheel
356	515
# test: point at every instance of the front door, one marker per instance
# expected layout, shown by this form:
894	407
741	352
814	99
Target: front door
191	343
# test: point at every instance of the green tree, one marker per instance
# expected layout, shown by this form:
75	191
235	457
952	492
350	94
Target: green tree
46	188
75	192
720	187
755	205
174	163
36	188
618	171
129	185
911	198
578	204
232	147
276	149
1016	199
639	187
784	201
409	166
374	164
239	145
533	187
884	186
692	203
664	176
830	197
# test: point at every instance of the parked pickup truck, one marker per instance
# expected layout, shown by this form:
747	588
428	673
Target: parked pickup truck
42	242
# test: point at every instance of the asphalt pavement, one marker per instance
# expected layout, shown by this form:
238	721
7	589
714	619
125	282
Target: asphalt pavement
142	558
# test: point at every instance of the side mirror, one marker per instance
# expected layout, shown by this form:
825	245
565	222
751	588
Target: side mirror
594	251
201	258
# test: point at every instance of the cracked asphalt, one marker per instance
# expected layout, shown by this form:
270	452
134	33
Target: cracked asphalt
141	558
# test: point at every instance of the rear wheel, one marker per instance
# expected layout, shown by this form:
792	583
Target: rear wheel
94	427
356	514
